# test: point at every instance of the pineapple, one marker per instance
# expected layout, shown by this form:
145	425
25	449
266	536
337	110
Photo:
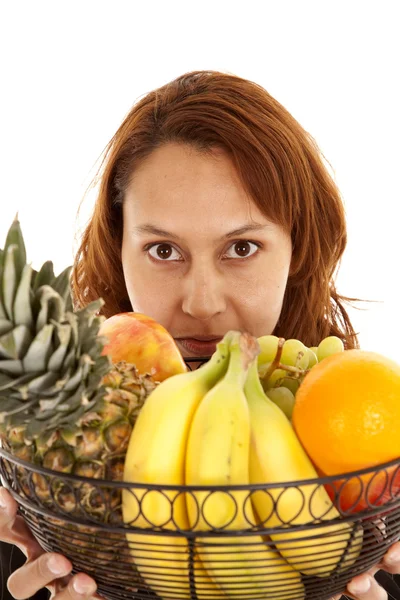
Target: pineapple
63	405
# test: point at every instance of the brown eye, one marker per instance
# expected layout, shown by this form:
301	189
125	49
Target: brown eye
242	249
163	252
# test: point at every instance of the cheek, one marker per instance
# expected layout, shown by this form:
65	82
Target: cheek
260	300
149	295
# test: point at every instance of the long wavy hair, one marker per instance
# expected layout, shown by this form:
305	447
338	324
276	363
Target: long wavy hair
280	166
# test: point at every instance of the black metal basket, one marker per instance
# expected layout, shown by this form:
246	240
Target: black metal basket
82	518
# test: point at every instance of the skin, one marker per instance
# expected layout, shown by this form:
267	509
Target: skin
205	287
207	284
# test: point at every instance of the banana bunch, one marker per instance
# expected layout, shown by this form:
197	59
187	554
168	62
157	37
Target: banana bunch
156	455
277	456
215	427
218	455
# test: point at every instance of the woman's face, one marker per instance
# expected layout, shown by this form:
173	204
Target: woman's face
198	256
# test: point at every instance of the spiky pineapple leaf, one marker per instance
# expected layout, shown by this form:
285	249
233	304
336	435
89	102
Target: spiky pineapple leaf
5	381
51	355
10	280
15	238
52	307
44	276
3	314
10	383
5	326
7	404
103	366
13	367
72	319
8	347
22	303
62	285
74	381
35	360
62	336
11	268
59	414
10	409
41	383
88	322
14	344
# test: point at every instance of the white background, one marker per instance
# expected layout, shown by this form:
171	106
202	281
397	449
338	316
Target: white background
71	70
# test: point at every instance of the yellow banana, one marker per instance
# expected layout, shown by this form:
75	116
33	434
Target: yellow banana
204	585
218	455
156	455
276	455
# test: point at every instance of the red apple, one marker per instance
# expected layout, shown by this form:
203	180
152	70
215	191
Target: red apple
140	340
370	490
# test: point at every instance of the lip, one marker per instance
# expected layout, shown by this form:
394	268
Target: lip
199	347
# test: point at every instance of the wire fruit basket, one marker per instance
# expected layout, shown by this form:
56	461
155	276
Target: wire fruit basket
81	518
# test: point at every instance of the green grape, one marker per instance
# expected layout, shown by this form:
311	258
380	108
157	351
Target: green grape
281	378
294	354
329	345
268	347
275	379
283	398
312	356
291	384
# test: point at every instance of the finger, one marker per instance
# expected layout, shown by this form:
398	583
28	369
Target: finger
8	508
38	574
391	560
60	587
13	528
79	587
365	587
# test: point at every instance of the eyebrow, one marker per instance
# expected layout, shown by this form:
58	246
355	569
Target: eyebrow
147	228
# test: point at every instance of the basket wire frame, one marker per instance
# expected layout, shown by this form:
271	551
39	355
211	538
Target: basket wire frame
82	518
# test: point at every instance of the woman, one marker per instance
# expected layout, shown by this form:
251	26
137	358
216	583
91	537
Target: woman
214	212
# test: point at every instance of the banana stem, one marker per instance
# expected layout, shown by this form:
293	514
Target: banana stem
212	367
244	349
253	385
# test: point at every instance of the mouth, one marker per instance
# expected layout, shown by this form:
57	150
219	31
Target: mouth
198	346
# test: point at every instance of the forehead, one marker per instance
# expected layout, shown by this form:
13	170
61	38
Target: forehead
180	182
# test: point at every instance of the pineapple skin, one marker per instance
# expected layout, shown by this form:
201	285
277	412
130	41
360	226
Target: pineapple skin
94	448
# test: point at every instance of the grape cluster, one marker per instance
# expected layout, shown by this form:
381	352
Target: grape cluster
283	364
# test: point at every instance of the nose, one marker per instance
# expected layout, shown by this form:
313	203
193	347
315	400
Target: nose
203	293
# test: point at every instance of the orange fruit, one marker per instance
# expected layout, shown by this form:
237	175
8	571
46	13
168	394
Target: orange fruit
347	411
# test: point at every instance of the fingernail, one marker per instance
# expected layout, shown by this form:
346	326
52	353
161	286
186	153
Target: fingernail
84	587
361	587
54	566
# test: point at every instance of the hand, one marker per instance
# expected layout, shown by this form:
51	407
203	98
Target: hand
365	586
42	569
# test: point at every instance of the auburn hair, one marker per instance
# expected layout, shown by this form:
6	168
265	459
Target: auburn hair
280	166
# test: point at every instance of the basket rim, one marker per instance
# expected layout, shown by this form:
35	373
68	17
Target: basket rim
188	488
